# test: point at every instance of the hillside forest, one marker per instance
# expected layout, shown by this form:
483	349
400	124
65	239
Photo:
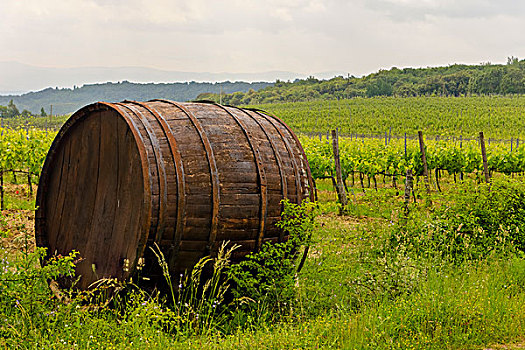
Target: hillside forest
68	100
453	80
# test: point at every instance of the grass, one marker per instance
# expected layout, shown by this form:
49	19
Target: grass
356	291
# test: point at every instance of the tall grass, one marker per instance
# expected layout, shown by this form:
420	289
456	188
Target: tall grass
197	300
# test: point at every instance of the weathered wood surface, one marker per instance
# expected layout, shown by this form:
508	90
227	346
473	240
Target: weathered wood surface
120	177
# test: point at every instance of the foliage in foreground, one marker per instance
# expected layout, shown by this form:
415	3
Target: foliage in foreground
374	286
265	281
195	304
484	220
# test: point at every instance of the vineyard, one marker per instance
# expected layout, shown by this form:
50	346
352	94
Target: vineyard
380	136
22	152
499	117
49	123
371	157
385	273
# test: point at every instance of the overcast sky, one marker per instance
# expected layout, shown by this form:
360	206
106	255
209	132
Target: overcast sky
303	36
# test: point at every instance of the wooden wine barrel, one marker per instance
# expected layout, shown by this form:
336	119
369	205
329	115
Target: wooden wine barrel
120	177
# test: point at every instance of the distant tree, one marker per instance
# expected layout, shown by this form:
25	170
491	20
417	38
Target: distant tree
432	85
312	80
236	98
248	97
352	91
513	81
379	87
456	84
26	113
206	96
487	81
12	111
405	90
43	112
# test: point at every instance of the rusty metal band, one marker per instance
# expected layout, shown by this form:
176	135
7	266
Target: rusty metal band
262	176
214	174
310	181
161	172
179	171
308	171
284	184
148	207
303	154
163	181
292	157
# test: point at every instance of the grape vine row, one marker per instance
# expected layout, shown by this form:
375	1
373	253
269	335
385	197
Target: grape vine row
372	157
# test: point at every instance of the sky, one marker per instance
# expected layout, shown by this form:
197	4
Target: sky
304	36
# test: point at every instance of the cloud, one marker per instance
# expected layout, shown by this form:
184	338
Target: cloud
307	36
417	10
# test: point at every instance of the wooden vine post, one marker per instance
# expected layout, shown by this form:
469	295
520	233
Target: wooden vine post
341	193
424	160
484	156
29	183
405	145
1	190
461	146
409	185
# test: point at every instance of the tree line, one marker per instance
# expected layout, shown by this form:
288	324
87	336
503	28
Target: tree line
452	80
68	100
11	111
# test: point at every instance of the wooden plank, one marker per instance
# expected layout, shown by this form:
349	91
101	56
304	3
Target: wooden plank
239	212
197	246
129	196
105	202
71	193
89	153
55	214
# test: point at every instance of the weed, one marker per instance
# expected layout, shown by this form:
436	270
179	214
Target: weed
198	305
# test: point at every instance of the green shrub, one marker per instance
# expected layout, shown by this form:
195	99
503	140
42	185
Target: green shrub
265	281
478	220
25	298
